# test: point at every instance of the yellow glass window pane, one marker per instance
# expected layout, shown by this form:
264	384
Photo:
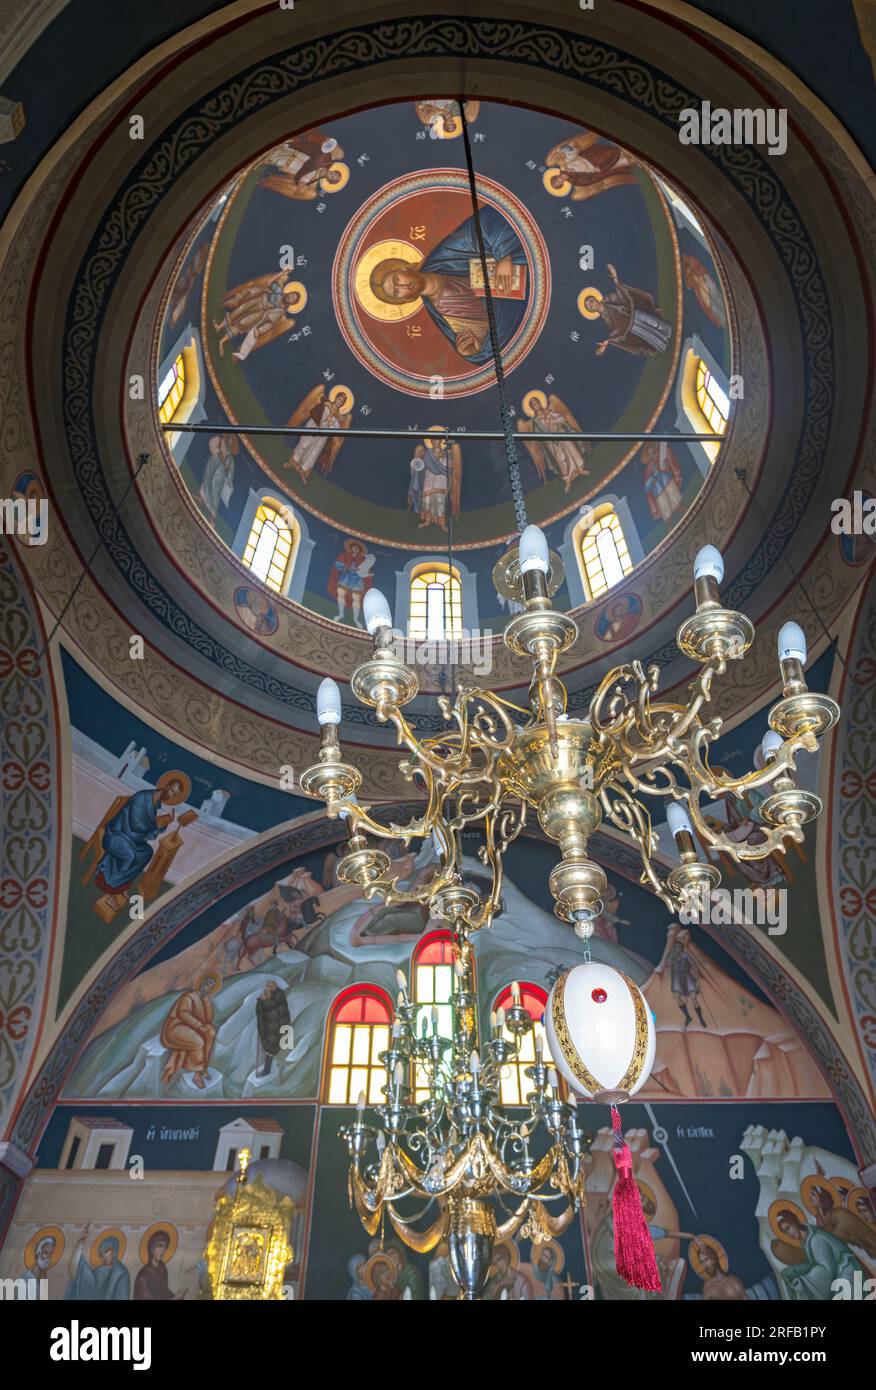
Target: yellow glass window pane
510	1087
361	1044
375	1086
443	983
338	1086
358	1082
341	1045
425	984
527	1049
379	1043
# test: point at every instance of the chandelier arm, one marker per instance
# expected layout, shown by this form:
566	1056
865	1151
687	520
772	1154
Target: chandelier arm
783	761
773	844
632	818
420	1241
493	854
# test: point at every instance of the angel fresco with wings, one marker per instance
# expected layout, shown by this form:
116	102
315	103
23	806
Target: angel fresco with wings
436	476
306	166
260	310
330	411
548	416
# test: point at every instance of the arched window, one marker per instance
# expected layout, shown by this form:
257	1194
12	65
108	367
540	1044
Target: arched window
269	549
515	1084
432	984
171	389
604	554
705	401
358	1033
435	613
712	399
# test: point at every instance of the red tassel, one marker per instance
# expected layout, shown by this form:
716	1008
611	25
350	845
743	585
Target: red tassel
634	1256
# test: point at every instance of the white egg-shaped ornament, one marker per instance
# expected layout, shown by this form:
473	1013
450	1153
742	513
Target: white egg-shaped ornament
602	1038
601	1032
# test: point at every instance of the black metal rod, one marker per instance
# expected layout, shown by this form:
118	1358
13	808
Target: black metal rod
458	436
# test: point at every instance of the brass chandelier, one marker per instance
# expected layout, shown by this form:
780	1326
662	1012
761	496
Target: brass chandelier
496	763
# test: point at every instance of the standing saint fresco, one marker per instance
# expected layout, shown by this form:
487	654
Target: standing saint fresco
436	479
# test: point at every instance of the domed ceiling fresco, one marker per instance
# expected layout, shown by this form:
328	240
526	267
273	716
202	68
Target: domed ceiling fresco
337	282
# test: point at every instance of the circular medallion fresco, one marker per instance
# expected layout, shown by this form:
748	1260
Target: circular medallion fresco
408	283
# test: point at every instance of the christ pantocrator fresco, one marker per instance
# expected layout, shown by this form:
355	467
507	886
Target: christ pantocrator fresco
448	283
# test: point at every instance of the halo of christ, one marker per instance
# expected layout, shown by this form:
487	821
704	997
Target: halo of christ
408	285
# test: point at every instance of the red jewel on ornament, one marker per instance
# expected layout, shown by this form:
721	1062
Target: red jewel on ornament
599	996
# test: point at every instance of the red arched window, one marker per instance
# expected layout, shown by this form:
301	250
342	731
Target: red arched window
432	985
358	1032
515	1083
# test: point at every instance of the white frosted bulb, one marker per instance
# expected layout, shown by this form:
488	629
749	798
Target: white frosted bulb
709	562
792	642
515	993
434	1018
474	1063
500	1018
328	702
533	551
360	1103
401	979
376	611
771	743
677	818
553	1081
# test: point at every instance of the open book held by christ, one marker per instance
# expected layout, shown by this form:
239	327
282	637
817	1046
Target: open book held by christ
517	288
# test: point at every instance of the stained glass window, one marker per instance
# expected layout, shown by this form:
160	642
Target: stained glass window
170	390
432	971
359	1033
436	604
605	558
712	400
269	548
515	1084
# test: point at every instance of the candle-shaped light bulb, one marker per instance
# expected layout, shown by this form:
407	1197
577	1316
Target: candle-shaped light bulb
396	1028
360	1103
458	968
500	1019
533	551
792	643
399	1073
553	1080
434	1018
539	1047
474	1064
400	1000
424	1027
677	818
515	994
770	744
494	1022
328	702
375	610
401	980
709	564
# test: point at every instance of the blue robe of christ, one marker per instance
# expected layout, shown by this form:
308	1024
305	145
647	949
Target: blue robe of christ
453	255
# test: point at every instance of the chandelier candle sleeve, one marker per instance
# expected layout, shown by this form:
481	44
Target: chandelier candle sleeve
376	611
328	703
